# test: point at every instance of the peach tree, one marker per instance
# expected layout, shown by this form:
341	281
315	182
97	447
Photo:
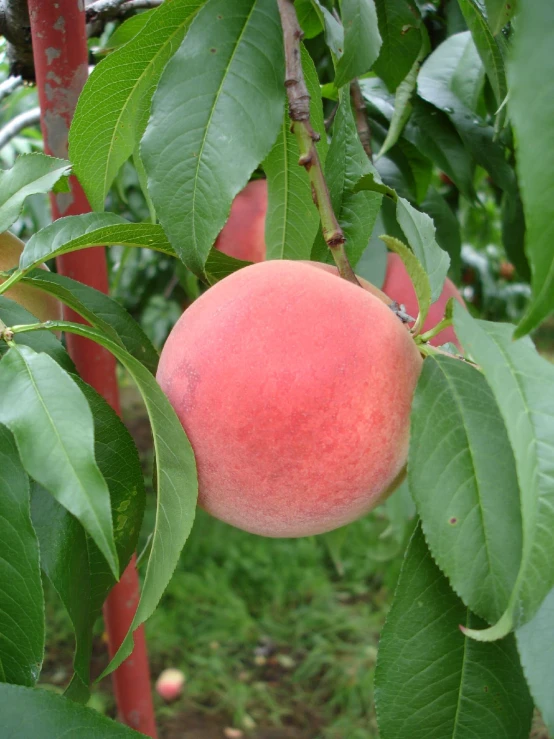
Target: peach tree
349	110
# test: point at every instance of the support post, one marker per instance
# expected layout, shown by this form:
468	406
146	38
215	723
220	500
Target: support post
61	66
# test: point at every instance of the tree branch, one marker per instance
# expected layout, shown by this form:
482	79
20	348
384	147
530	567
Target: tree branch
299	111
16	28
9	86
106	10
360	112
17	124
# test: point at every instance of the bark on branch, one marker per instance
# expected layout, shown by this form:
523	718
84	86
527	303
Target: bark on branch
17	124
299	111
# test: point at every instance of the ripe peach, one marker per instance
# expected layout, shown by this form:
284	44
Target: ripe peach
40	304
398	286
294	387
243	236
169	684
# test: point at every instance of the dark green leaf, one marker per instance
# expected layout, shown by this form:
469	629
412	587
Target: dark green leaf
100	311
531	107
219	265
418	277
308	18
128	30
513	233
110	116
176	483
431	681
13	314
535	643
373	262
41	714
463	479
53	428
499	12
334	32
399	26
21	598
373	183
64	559
292	219
200	149
435	136
451	79
31	174
487	46
91	229
420	233
447	227
523	385
362	41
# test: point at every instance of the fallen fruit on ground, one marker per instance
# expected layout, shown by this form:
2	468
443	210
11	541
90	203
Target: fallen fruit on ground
40	304
399	287
243	236
294	387
169	684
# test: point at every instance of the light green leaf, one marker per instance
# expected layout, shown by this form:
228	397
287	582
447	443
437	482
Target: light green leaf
109	120
41	714
451	79
373	183
463	479
128	30
420	233
31	174
531	107
417	275
399	26
535	643
500	12
21	597
91	229
362	41
523	385
447	227
430	681
334	32
292	219
215	115
53	428
100	311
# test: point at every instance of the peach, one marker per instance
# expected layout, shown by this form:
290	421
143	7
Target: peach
40	304
294	387
243	236
169	684
398	286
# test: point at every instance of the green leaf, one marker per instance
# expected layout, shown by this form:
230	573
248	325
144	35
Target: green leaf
531	107
309	18
402	108
292	219
463	479
13	314
447	227
91	229
219	265
399	26
362	40
100	311
64	559
451	79
128	30
373	262
373	183
53	428
21	597
417	275
535	643
523	384
345	166
430	681
500	12
109	119
431	131
420	233
487	46
42	714
513	233
334	32
176	483
199	150
31	174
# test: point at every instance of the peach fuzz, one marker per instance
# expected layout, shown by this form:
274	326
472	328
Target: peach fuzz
40	304
243	236
398	286
294	387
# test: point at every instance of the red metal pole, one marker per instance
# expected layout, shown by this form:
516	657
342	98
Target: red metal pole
61	66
